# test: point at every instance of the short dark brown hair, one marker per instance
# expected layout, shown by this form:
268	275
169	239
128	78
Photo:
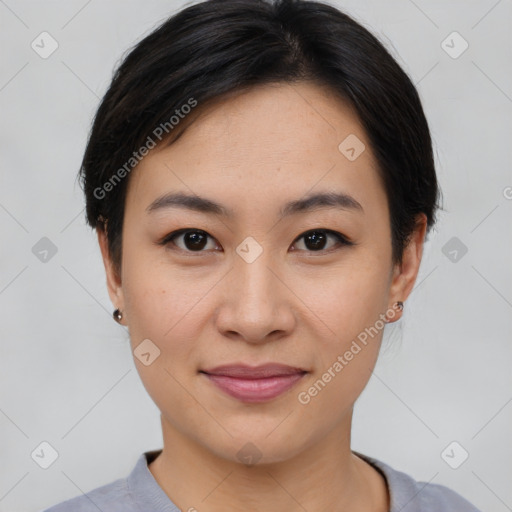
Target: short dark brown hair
218	47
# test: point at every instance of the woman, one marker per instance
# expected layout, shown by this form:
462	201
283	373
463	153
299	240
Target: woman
261	179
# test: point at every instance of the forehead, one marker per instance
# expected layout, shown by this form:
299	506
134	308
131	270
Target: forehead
267	143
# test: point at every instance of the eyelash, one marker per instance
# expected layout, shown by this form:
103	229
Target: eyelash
341	239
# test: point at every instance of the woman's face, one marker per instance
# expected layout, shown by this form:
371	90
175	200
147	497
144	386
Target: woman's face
252	286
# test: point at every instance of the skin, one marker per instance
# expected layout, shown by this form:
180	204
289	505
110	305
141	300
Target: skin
252	153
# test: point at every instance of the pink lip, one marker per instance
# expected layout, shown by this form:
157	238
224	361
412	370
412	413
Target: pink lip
255	384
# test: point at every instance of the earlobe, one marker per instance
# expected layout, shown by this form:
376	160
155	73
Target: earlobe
113	279
391	313
405	274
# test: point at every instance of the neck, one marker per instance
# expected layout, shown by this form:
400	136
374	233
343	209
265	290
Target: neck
323	476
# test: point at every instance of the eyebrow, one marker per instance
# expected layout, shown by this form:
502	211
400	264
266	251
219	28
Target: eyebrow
309	203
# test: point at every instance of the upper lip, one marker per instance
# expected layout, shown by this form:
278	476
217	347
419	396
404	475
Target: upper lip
243	371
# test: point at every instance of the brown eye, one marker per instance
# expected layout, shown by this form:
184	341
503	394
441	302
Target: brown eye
192	240
318	240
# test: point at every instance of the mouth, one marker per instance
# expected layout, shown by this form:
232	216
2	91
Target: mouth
254	384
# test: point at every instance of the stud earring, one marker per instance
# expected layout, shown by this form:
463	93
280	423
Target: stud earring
118	316
400	305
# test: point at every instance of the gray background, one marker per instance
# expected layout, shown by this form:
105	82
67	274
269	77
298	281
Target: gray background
66	372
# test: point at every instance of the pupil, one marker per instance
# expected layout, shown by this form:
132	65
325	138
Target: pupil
195	240
317	240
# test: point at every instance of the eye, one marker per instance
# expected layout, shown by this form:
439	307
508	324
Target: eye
196	240
317	239
190	240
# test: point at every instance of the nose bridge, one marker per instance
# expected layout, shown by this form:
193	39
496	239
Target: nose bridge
255	279
253	305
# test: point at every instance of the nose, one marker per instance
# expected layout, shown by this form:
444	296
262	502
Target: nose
256	303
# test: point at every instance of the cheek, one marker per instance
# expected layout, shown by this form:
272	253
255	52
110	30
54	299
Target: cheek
351	307
160	306
346	299
157	296
349	304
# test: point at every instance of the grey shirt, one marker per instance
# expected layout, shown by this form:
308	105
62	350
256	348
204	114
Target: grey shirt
140	492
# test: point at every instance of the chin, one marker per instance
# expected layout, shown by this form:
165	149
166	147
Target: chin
258	448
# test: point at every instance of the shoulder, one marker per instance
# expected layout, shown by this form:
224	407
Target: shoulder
112	497
434	496
409	495
138	492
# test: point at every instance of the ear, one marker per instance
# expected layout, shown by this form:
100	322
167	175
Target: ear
404	274
114	288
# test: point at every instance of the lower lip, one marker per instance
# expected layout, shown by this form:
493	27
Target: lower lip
255	390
